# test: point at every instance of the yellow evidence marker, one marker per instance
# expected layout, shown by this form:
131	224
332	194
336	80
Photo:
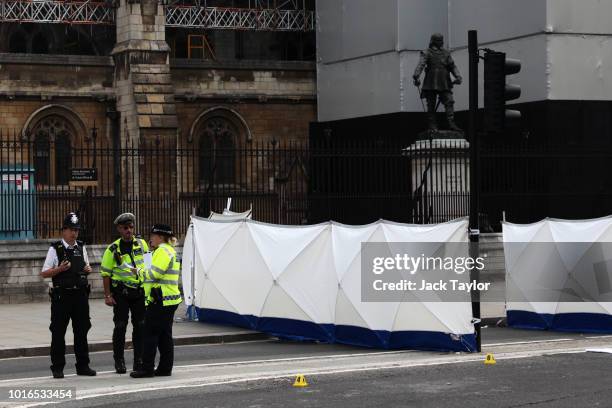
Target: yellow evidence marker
300	381
490	359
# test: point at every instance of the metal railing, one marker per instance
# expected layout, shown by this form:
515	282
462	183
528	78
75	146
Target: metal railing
54	11
240	19
291	183
177	15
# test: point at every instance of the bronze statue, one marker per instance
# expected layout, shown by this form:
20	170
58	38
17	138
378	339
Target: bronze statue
438	64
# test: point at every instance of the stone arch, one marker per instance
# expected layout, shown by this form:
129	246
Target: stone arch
71	116
217	133
224	112
17	41
54	131
28	38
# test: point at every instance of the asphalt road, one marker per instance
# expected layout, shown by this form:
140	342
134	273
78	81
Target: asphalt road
358	377
183	355
250	351
559	381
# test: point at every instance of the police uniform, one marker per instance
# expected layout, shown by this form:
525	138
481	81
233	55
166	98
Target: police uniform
126	288
162	297
69	301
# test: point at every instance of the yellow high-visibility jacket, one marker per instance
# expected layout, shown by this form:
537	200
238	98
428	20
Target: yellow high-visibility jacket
164	274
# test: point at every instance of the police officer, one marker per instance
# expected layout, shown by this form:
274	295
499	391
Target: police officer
123	288
162	297
67	265
438	65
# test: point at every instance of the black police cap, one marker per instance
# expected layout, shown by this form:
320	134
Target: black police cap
72	221
162	229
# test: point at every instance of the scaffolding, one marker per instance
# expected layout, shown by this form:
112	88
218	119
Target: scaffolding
63	12
263	15
239	19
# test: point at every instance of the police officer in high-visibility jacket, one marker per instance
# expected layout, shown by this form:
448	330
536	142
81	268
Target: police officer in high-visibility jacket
162	297
123	288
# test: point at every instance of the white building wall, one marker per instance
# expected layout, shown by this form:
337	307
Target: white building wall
565	47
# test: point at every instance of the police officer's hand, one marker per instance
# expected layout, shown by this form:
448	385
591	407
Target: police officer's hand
458	81
64	266
417	81
109	300
87	269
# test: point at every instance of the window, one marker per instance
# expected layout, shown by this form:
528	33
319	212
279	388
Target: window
239	36
39	44
198	47
63	158
52	150
77	43
18	42
217	151
42	151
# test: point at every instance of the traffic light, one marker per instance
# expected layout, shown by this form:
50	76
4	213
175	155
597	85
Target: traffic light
496	92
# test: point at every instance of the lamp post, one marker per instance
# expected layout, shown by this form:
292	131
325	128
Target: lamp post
474	231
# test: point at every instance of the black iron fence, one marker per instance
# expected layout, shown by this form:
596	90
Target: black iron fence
45	176
525	182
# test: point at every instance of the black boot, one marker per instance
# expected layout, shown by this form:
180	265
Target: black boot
142	374
450	117
163	373
431	122
120	366
58	373
137	366
86	371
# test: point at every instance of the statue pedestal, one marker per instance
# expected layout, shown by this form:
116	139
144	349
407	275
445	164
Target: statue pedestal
440	178
441	134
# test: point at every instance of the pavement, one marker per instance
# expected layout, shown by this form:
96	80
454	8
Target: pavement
26	328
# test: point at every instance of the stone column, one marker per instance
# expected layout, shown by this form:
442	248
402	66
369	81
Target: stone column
145	101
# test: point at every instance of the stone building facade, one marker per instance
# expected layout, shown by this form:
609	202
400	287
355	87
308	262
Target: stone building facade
140	83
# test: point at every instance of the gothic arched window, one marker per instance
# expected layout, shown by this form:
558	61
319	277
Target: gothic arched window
53	150
63	157
218	137
42	152
18	42
40	44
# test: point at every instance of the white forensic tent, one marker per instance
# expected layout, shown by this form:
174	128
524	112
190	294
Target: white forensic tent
304	283
189	250
552	277
228	215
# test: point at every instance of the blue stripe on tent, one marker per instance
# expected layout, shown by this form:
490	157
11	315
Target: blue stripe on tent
520	319
223	317
569	322
357	336
296	329
360	336
410	339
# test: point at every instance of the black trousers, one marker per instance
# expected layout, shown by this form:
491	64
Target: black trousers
446	99
158	334
67	305
126	305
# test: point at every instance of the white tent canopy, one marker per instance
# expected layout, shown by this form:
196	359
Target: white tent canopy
304	282
550	275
